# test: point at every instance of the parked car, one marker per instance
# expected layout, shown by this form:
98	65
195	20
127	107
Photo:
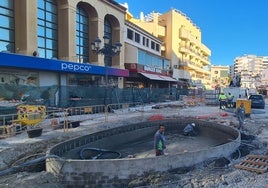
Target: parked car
257	101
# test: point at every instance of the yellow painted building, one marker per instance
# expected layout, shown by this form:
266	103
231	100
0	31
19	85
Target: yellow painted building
182	44
220	76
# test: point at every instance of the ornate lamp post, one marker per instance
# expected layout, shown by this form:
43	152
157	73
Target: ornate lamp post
109	50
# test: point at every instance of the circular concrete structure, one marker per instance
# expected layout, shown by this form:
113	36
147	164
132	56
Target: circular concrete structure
213	141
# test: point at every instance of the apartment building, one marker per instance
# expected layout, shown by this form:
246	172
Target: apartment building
182	44
220	76
250	69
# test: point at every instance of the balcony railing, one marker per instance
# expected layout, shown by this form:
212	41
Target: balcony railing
194	67
194	53
186	35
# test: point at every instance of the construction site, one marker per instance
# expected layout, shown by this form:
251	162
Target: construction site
60	154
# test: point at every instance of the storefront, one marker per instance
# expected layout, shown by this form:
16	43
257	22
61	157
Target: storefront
143	76
27	76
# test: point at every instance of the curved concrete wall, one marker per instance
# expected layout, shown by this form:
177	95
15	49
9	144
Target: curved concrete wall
117	172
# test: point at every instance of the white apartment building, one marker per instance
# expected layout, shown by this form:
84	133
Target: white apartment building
250	69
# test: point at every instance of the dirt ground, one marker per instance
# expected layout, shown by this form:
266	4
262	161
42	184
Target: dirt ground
215	173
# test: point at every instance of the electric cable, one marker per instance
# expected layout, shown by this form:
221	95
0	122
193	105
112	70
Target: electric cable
17	168
99	152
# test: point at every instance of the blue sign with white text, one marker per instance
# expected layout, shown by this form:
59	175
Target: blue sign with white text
29	62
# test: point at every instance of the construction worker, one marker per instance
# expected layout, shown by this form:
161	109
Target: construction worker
189	130
160	141
230	100
222	99
240	114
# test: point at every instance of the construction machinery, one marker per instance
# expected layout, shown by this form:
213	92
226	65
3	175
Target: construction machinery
30	115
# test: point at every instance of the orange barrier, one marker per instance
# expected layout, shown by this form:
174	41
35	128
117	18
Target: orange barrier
156	117
222	114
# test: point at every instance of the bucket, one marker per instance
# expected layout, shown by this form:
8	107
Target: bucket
36	132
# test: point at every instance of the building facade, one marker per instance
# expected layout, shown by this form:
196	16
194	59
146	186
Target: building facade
46	44
143	59
182	44
220	76
250	69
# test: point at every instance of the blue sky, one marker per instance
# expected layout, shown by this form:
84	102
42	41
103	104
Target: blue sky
230	28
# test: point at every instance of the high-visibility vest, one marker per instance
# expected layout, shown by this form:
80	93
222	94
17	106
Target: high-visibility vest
222	97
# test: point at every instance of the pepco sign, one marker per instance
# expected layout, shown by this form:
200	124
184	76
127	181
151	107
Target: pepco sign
75	67
36	63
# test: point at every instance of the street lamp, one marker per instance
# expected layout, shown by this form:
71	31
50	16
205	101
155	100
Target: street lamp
109	50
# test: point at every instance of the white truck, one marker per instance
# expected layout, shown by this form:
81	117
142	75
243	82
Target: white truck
238	92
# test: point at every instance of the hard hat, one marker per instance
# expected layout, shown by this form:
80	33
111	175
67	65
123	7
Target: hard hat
193	124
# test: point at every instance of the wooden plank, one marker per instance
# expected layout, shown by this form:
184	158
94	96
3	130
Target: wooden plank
258	156
258	170
254	163
257	162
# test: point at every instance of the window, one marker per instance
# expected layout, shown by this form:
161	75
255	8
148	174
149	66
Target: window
7	31
151	60
82	33
157	47
130	34
137	37
143	41
152	45
108	33
147	42
47	26
223	73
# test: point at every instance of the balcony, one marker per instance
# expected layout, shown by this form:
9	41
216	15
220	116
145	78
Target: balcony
194	67
205	49
161	31
186	35
186	50
163	48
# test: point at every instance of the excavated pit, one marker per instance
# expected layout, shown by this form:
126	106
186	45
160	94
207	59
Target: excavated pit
134	143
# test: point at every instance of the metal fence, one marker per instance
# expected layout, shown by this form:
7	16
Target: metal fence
69	105
75	96
59	118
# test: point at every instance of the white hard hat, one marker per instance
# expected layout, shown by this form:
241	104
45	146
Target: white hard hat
193	124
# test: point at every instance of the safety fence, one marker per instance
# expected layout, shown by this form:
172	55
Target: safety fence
57	118
75	96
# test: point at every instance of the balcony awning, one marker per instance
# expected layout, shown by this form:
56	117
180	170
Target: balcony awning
158	77
152	76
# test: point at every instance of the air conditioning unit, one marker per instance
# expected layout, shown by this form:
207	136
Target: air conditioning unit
175	66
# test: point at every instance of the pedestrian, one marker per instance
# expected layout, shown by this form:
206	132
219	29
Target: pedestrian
222	99
189	130
160	141
240	114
